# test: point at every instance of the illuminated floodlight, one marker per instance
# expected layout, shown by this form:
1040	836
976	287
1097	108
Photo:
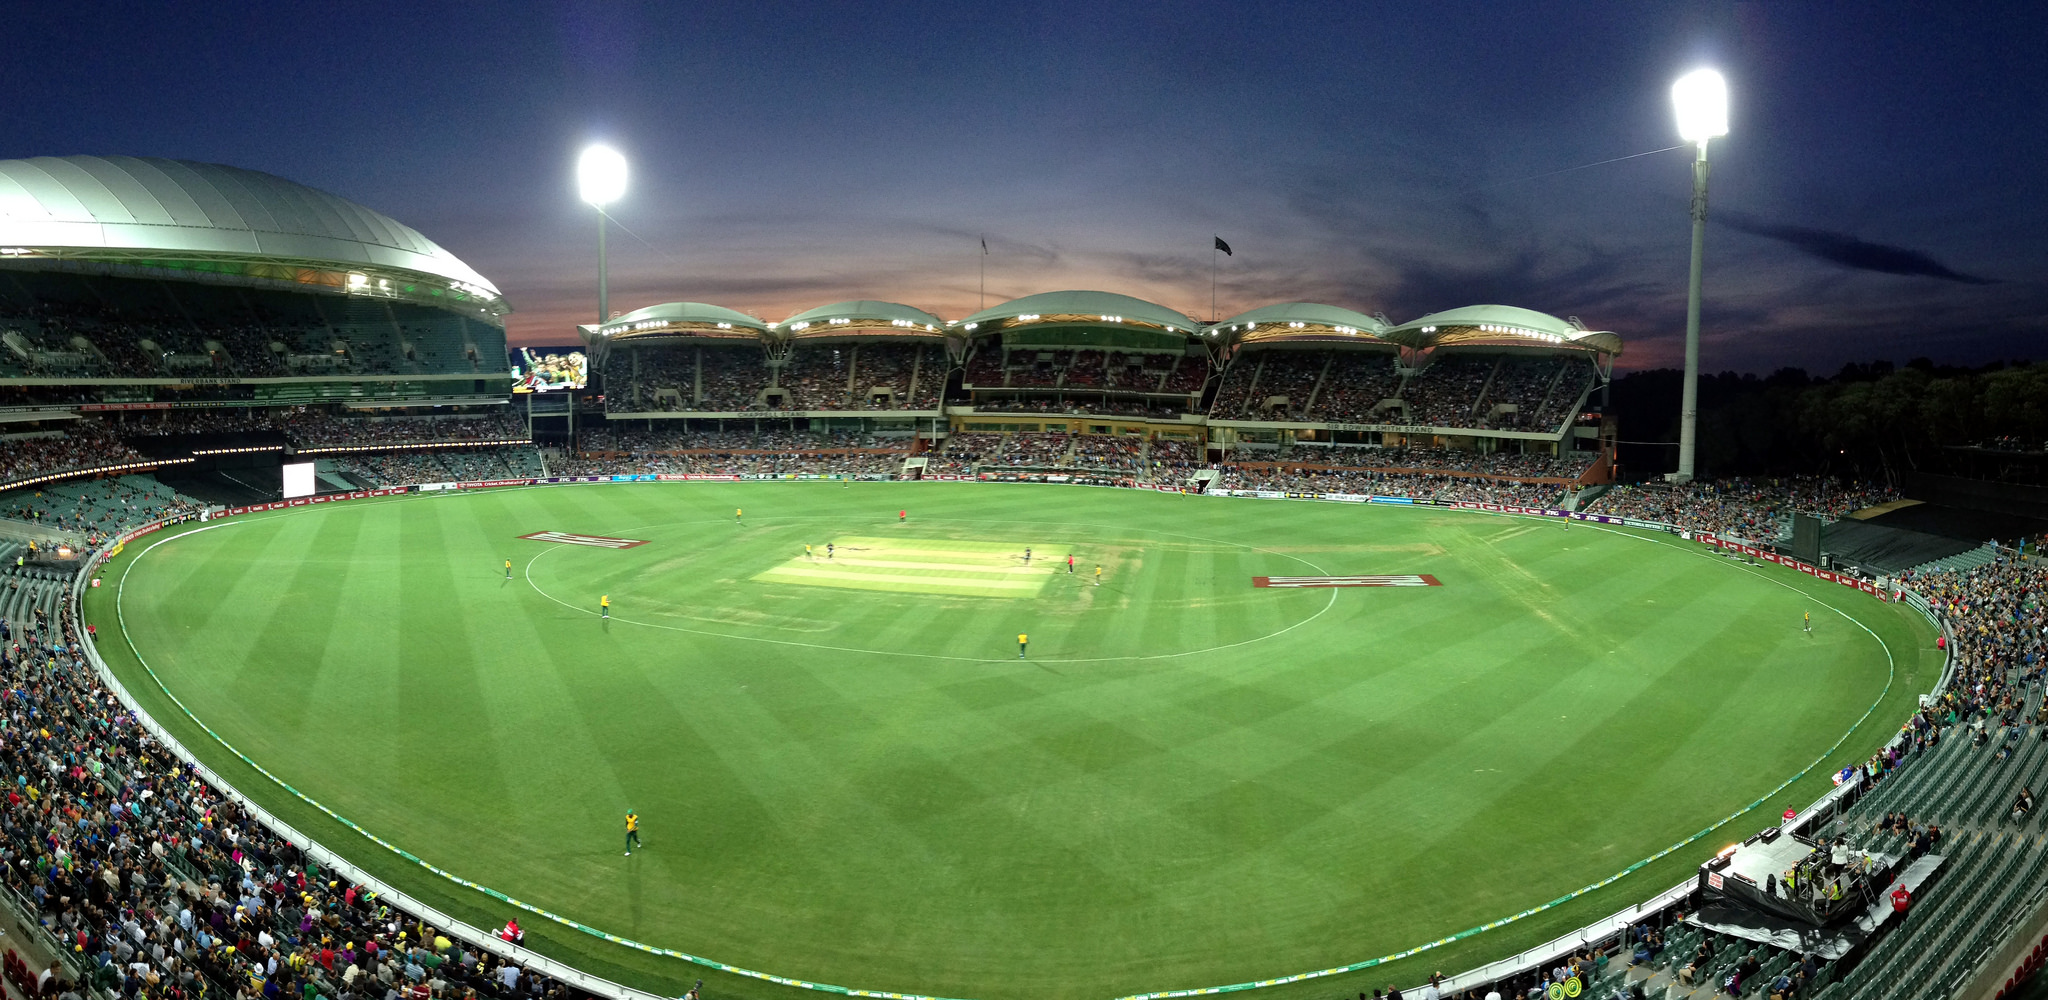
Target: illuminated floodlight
1701	100
601	175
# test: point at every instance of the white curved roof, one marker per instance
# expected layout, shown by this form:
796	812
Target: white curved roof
1307	322
1087	303
205	209
863	314
1498	324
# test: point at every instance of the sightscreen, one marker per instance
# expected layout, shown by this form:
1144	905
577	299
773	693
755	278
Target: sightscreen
298	480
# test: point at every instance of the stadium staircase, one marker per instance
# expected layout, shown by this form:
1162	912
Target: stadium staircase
1982	555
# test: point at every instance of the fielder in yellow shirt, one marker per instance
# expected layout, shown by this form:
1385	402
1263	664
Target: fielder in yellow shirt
1022	640
604	606
508	569
632	831
736	514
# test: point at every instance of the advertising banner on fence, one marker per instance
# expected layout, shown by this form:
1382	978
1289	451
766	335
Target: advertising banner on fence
1849	580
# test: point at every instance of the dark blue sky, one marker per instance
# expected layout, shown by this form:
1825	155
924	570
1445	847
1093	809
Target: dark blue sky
1880	195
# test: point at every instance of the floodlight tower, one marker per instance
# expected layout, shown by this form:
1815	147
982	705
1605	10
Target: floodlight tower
1701	100
601	180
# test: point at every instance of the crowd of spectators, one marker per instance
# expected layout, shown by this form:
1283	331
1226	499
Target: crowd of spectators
143	341
660	368
95	509
627	450
322	430
739	464
1754	509
1563	401
208	420
668	379
1280	477
1044	450
1183	376
1251	379
733	378
1038	369
893	366
1496	463
985	367
1444	394
396	469
1110	380
1174	458
1356	386
817	378
1111	453
1996	617
625	437
1107	405
84	443
441	466
1461	390
161	887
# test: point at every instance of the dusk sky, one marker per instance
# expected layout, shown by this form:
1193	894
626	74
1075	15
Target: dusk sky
1880	194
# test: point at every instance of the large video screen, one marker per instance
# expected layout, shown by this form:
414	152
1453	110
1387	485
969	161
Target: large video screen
549	369
298	480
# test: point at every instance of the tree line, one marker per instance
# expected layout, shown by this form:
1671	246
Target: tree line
1872	421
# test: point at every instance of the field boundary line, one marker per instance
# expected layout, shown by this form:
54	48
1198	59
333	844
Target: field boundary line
120	618
1891	675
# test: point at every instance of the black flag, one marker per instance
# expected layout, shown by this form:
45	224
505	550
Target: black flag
1225	247
984	244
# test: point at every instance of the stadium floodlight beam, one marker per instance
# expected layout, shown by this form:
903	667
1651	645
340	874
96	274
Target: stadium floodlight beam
601	180
1701	100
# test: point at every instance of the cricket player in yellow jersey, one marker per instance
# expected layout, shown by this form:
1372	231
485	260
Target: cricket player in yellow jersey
632	831
1022	640
604	606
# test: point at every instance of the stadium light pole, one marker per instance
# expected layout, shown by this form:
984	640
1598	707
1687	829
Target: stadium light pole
601	179
1701	100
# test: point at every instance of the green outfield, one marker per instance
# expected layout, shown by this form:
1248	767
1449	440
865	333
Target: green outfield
846	773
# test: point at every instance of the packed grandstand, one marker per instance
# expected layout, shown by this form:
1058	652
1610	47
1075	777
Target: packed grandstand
164	379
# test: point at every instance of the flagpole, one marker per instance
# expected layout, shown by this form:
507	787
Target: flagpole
984	271
1212	284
